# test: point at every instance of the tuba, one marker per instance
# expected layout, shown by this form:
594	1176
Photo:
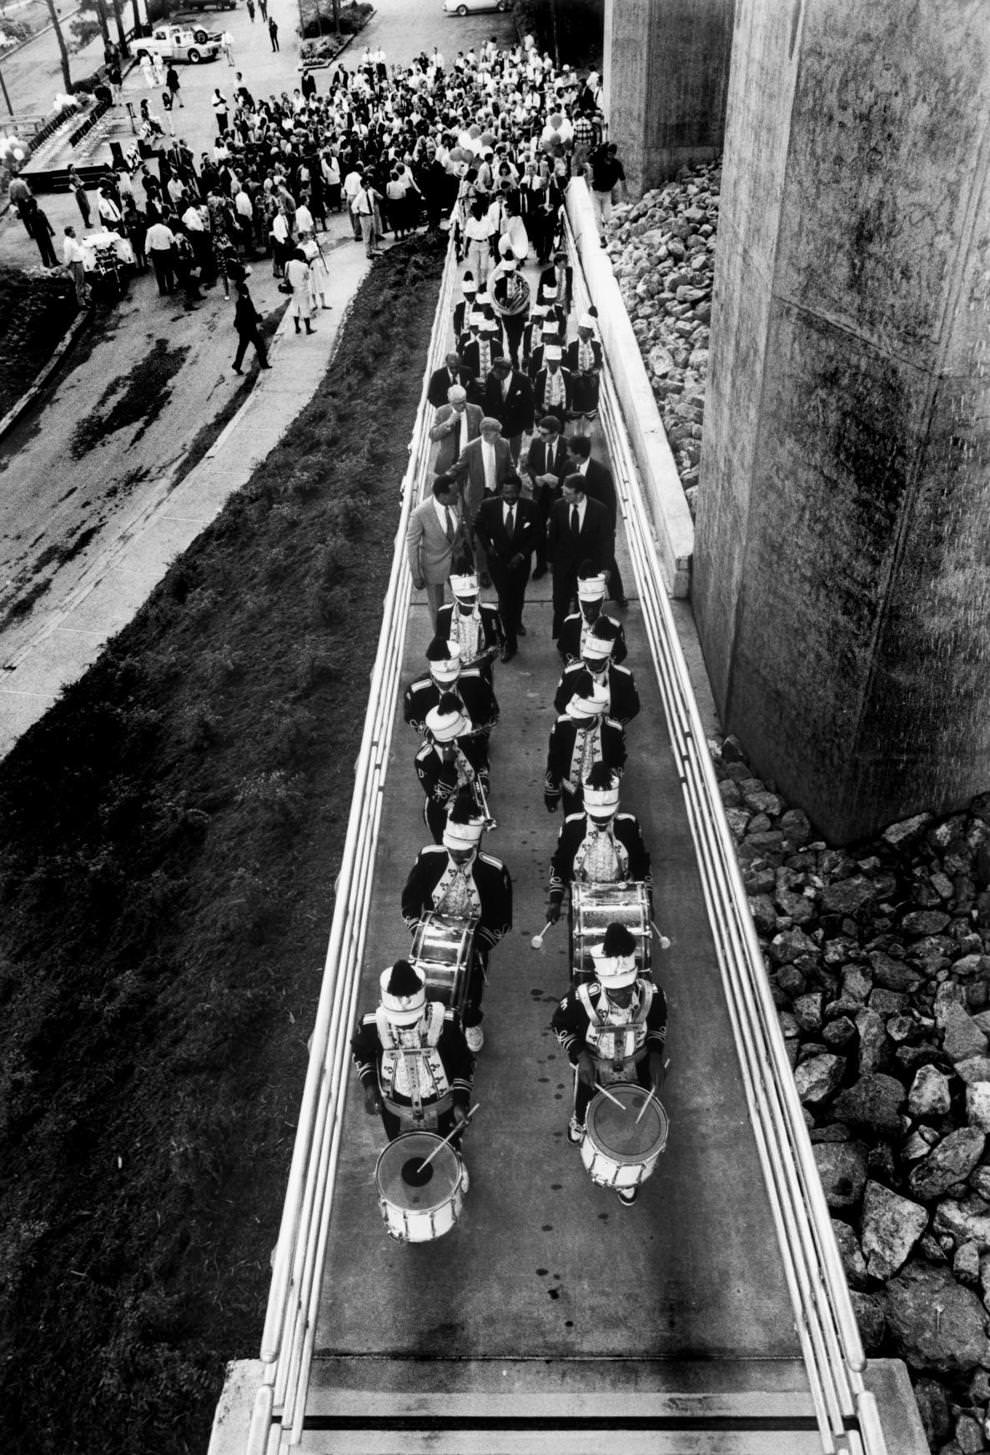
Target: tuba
509	293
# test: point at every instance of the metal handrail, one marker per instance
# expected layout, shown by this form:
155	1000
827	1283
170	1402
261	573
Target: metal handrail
824	1320
297	1265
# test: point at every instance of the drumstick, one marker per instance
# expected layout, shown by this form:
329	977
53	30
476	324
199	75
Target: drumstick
618	1103
459	1128
537	940
653	1094
664	941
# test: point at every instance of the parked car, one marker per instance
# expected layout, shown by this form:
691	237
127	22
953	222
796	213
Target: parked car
470	7
203	5
173	43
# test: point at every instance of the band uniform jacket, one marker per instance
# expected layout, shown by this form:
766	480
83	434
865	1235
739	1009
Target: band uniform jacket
470	352
491	626
593	541
490	528
441	380
513	409
624	704
491	881
429	552
570	1021
540	388
560	750
471	690
625	827
451	1047
438	778
586	387
470	468
569	641
450	440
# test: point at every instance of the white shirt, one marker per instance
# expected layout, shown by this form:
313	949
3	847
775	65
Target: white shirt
488	460
581	507
443	512
71	251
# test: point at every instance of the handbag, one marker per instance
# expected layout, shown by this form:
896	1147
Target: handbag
285	286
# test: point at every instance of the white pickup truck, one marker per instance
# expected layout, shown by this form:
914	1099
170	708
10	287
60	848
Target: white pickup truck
173	43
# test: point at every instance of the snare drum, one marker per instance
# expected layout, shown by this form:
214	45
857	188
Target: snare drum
418	1206
617	1150
596	906
442	950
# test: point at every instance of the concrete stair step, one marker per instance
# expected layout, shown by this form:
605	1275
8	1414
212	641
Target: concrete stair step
619	1441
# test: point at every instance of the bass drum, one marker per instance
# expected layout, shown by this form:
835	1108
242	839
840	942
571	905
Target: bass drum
596	906
442	950
417	1205
618	1150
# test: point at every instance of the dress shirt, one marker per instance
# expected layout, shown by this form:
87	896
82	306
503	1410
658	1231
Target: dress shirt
488	461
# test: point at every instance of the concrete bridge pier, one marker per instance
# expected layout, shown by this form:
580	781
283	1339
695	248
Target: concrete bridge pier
665	78
842	585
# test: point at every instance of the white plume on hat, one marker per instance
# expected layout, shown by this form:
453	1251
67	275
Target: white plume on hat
591	588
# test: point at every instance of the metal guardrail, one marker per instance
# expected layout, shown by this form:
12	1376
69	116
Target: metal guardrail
824	1320
297	1268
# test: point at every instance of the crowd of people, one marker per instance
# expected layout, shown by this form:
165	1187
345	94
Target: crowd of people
514	483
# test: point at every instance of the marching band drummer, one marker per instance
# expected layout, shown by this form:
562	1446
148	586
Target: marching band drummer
452	757
592	591
581	737
473	693
412	1058
600	845
454	878
613	1028
597	673
474	625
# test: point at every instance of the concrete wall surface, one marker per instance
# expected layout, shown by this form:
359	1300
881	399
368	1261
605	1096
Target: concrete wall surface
666	79
843	525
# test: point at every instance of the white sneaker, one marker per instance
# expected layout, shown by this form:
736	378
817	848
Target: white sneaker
575	1131
475	1038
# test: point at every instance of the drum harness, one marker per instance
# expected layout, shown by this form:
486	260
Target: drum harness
414	1071
604	1040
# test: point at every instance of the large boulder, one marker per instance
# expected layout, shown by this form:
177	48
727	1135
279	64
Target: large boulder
963	1222
937	1325
873	1102
978	1105
891	1227
962	1037
951	1161
842	1169
818	1077
929	1094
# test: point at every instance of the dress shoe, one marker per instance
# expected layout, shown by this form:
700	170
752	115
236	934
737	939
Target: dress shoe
507	654
627	1195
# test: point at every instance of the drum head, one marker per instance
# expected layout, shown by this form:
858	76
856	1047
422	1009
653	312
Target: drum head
402	1184
615	1130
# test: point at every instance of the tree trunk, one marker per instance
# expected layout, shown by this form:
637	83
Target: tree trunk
121	37
63	50
101	15
137	16
336	15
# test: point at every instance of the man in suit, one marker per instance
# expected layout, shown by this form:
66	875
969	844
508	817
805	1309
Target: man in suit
579	531
434	532
546	465
484	465
508	397
507	527
443	379
454	425
599	485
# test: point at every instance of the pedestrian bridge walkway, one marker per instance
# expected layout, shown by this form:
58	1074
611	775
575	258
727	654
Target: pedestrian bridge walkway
712	1315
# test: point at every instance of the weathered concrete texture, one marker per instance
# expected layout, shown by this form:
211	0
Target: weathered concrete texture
843	529
666	78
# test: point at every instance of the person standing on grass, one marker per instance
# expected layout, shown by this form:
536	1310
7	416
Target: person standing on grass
78	189
273	32
247	322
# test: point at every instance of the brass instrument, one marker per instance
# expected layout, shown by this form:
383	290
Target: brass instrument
509	294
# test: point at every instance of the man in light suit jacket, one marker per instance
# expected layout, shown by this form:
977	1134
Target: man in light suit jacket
455	424
434	535
483	466
508	397
568	548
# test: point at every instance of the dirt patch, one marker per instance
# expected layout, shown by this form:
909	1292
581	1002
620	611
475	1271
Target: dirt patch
143	392
169	833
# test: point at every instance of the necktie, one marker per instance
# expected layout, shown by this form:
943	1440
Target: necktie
575	521
510	521
450	522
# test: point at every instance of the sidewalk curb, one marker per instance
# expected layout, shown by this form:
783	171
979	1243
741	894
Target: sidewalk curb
13	414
